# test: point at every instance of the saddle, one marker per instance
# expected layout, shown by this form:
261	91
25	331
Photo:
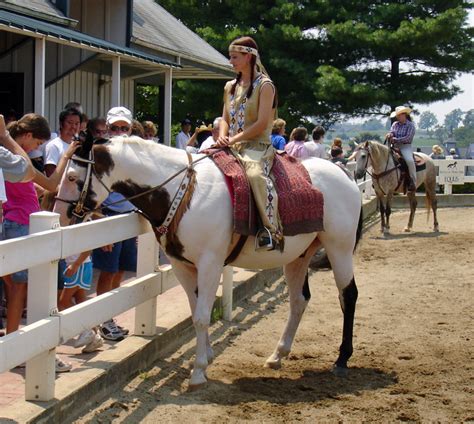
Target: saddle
420	165
300	205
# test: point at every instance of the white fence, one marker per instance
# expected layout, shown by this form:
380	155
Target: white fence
47	328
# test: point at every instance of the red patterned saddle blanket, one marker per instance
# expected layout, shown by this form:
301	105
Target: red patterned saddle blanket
300	205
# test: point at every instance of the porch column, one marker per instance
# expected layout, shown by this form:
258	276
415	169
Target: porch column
115	95
167	106
40	48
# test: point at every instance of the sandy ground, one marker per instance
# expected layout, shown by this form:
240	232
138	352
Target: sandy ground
413	346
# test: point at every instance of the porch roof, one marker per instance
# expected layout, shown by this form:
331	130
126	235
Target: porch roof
31	27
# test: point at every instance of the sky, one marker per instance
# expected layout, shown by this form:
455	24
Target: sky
463	101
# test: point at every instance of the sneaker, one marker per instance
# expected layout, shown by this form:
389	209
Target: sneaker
125	331
109	331
62	366
84	338
95	344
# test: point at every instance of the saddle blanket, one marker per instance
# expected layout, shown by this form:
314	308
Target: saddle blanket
300	205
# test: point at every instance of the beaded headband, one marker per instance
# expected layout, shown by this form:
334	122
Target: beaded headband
243	49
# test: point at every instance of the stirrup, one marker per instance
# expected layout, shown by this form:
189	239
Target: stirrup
264	240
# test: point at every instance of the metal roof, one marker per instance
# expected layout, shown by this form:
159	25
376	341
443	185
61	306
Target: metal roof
42	9
156	28
35	28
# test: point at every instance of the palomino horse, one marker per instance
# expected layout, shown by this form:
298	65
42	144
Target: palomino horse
205	232
386	178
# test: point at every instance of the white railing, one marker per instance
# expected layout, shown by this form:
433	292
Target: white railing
47	328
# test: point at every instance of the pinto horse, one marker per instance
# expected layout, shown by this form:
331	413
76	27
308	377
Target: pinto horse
131	166
386	178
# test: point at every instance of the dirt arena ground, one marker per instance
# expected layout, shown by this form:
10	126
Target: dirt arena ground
413	347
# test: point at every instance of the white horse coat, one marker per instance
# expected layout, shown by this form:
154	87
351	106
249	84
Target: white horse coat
205	231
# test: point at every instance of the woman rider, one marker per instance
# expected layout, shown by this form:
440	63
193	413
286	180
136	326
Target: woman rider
249	111
401	136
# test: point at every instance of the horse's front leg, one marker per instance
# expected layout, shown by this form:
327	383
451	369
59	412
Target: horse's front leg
210	268
296	275
382	207
388	210
413	203
187	276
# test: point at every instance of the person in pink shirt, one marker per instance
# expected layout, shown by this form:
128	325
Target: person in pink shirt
296	147
29	132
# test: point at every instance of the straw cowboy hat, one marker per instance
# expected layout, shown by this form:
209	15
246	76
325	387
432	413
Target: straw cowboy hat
399	110
204	128
437	150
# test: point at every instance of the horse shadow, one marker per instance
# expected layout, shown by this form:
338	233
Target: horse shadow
411	234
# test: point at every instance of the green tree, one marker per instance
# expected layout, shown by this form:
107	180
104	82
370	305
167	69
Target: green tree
365	136
468	120
428	120
452	120
441	133
330	58
464	136
372	125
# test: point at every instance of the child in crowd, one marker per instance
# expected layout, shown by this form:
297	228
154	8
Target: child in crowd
296	147
77	281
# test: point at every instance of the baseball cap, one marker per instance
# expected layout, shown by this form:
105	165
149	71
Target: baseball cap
186	122
119	113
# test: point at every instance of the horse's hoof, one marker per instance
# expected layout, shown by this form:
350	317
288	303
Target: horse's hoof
273	364
407	229
436	229
196	387
341	372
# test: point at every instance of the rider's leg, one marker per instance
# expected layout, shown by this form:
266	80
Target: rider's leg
257	166
407	153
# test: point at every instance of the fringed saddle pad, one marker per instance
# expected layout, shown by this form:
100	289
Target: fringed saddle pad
300	205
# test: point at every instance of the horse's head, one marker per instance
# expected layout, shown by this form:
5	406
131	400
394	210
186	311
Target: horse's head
362	159
81	189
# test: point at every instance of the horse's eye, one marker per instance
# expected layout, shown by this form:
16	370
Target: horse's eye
71	178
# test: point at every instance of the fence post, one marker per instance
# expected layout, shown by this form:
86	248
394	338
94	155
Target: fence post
227	286
145	314
448	189
42	303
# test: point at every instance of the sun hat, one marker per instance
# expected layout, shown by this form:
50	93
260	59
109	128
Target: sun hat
204	128
119	113
436	149
399	110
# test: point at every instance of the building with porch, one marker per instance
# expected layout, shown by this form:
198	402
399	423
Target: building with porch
95	52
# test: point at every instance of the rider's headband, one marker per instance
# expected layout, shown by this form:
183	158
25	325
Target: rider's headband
243	49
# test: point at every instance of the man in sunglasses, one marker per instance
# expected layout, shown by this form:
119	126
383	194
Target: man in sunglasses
112	263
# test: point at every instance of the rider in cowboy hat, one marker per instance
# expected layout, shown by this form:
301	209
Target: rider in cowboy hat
401	136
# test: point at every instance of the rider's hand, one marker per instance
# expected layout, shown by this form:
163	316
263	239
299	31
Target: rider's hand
223	141
71	149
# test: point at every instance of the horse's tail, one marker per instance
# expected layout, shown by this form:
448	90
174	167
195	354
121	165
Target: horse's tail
359	229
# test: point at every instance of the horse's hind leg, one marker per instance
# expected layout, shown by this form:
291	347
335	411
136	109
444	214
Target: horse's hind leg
432	201
296	275
340	255
413	203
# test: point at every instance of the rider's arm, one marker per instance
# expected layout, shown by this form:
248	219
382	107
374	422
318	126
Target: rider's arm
265	113
224	125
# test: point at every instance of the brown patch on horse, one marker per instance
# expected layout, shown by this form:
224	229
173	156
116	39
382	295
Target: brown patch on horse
103	160
155	205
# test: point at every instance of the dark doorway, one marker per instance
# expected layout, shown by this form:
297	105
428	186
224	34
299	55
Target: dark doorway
11	93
